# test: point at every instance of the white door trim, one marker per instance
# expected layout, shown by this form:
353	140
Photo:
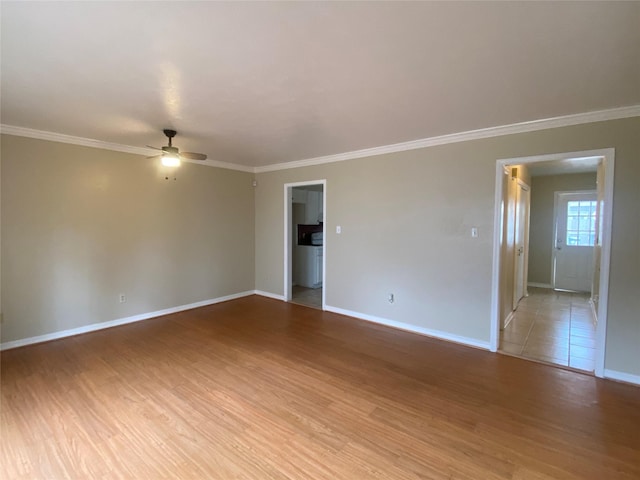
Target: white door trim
287	236
608	159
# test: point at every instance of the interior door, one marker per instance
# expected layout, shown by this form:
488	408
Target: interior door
520	242
575	235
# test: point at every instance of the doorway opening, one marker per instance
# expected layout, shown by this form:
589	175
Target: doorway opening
305	245
551	258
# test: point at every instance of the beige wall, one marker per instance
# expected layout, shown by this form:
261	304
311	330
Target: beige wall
541	220
82	225
406	220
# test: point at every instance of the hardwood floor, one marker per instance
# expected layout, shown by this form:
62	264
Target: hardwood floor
261	389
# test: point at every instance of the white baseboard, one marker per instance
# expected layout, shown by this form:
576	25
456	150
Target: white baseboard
119	321
621	376
539	285
472	342
269	295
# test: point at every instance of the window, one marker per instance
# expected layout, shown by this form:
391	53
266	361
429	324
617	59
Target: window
581	223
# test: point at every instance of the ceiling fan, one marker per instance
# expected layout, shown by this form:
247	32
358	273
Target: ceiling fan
171	155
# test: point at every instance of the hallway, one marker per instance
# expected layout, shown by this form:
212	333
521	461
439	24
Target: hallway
554	327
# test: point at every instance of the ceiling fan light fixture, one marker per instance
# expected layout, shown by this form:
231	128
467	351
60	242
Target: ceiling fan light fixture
170	160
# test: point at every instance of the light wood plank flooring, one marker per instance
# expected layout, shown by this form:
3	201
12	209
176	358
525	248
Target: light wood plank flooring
261	389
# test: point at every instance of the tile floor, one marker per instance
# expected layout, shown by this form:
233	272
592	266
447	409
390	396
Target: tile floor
555	327
310	297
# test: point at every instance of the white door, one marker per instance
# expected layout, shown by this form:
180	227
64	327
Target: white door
575	235
520	243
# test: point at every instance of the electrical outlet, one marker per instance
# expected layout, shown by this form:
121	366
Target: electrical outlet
391	298
123	298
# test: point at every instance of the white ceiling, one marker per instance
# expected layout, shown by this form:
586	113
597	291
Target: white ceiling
263	83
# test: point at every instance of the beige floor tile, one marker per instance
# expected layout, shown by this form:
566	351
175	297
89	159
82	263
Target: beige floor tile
524	316
557	304
582	352
514	337
539	331
581	308
553	317
558	361
583	324
525	306
584	320
545	350
518	326
582	341
582	364
547	340
309	297
513	348
581	302
554	325
582	332
550	323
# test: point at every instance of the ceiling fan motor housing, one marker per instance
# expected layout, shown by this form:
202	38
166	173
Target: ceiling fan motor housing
173	151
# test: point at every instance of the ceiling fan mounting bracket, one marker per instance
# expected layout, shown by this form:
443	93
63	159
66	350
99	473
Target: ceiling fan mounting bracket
170	133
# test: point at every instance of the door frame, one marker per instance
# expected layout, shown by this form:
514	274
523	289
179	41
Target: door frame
556	198
288	246
608	160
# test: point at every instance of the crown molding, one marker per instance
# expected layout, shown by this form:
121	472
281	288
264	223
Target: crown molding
116	147
62	138
228	166
523	127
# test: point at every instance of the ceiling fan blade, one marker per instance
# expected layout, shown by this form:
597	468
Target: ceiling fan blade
193	156
155	156
155	148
